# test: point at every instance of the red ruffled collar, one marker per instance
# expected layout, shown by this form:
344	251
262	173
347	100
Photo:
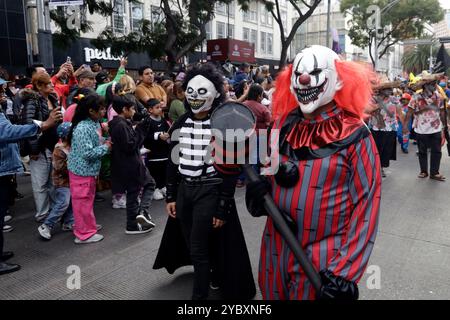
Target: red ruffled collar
331	126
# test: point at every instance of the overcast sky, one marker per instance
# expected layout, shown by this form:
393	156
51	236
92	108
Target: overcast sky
445	4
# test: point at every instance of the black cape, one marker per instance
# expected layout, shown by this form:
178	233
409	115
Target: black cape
233	263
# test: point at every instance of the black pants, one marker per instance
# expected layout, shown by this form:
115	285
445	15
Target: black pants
5	190
133	206
386	142
196	205
432	141
158	171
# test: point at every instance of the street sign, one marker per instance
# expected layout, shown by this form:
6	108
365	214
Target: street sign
60	3
418	41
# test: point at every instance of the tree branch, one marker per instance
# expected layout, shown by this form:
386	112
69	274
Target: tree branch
387	47
303	3
294	4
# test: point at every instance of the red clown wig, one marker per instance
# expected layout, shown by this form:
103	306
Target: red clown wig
354	96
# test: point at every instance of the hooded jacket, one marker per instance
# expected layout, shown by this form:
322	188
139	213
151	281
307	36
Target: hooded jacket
128	171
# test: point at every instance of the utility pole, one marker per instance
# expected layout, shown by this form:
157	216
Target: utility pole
328	24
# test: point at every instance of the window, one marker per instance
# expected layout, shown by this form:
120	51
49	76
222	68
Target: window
250	15
221	33
208	31
254	38
223	9
263	42
285	21
156	14
266	17
137	14
231	31
246	34
269	43
118	17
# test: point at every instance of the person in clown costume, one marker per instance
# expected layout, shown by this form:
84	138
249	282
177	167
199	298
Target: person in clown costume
328	185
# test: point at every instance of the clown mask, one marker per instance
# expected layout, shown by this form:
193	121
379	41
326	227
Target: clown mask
314	79
200	94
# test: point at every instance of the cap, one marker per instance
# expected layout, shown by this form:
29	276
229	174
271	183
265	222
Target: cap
63	129
406	96
86	74
102	76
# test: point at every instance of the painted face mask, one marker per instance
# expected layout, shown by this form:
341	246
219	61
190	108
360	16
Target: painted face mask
200	94
314	79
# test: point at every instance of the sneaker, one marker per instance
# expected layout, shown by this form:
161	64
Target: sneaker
99	227
45	231
119	203
157	195
145	220
214	286
95	238
67	227
383	173
7	228
7	218
99	198
19	196
138	229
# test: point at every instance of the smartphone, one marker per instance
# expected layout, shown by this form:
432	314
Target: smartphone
69	59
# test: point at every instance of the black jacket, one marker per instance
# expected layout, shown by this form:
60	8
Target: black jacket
159	149
35	107
127	169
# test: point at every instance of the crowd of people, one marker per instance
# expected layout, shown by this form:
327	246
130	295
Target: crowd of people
81	131
113	134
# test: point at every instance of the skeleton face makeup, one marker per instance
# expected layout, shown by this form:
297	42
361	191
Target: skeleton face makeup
314	79
200	94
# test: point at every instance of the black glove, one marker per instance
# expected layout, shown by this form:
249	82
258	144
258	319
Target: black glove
254	196
225	205
336	287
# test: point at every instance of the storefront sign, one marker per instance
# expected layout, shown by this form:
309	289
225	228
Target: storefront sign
59	3
91	54
231	49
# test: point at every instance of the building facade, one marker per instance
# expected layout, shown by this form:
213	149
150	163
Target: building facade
314	31
442	29
256	26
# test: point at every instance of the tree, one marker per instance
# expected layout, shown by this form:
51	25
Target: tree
403	20
182	28
417	59
303	8
64	36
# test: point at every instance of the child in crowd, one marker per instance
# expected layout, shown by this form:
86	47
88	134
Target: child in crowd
84	165
62	210
129	173
157	141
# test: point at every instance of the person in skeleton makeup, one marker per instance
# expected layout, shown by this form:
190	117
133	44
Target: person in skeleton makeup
429	115
328	185
200	199
384	123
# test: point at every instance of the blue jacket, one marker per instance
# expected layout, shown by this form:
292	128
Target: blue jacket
10	134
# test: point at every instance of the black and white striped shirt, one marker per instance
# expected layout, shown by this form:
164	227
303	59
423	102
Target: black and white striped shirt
195	141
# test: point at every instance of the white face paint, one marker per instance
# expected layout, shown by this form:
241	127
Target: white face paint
200	94
314	79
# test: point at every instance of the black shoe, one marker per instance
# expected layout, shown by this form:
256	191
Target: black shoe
405	150
138	229
145	220
19	196
99	198
8	268
6	256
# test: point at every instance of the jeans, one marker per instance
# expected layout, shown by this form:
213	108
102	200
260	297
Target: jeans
62	208
195	206
432	141
158	172
133	207
41	182
5	182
